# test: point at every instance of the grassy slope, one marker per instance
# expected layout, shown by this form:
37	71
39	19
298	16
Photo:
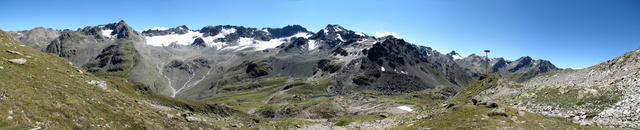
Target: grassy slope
49	92
467	116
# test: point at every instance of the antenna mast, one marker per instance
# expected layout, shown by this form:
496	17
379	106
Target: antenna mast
487	64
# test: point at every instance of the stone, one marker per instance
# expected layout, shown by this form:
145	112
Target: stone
1	67
99	84
383	115
14	52
498	112
192	119
18	61
491	104
449	105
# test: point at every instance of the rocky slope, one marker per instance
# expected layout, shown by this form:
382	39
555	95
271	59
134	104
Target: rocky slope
619	75
43	91
520	70
190	63
37	38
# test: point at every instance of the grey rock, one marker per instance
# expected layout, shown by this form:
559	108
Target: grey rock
18	61
491	104
14	52
100	84
474	101
497	112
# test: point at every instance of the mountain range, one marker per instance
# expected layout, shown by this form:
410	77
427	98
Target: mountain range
229	76
177	60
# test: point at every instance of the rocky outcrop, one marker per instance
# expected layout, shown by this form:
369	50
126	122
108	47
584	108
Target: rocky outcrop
619	74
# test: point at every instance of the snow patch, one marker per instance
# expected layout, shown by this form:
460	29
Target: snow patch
337	29
157	28
107	33
457	57
160	28
360	34
303	35
406	108
382	68
339	37
312	45
384	34
180	39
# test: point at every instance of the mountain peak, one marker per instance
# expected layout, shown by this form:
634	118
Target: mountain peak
454	55
333	28
183	27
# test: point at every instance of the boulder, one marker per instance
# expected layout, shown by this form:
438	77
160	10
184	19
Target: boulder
491	104
474	101
498	112
99	84
14	52
18	61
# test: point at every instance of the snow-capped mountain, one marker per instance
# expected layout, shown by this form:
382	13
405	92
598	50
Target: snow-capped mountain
184	62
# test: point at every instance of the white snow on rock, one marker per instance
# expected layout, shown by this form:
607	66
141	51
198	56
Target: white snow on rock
457	57
337	29
384	34
361	34
107	33
240	44
180	39
187	38
303	35
406	108
159	28
339	37
312	45
382	68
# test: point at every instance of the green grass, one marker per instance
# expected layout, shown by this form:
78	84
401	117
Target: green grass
426	97
483	83
469	116
348	119
570	97
464	115
244	99
49	92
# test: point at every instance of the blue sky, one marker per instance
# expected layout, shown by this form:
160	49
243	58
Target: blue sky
569	33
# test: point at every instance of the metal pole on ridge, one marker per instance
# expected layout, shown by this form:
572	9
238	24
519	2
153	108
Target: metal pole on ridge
487	64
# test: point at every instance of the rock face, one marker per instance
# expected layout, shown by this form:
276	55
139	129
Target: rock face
519	70
408	68
619	74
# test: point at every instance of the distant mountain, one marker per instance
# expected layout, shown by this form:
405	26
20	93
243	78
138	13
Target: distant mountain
191	63
37	38
520	70
74	99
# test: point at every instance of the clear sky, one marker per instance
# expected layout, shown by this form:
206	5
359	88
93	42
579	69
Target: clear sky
569	33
